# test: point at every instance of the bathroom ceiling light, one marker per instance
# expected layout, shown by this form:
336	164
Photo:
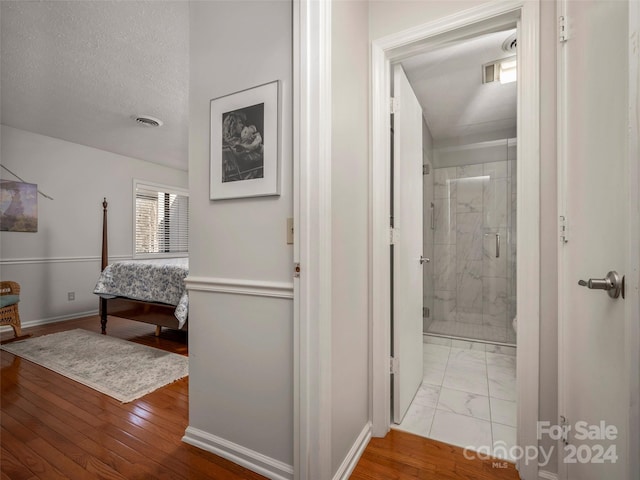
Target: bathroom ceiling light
508	71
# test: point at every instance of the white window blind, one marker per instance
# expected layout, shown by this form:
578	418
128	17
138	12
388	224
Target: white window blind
161	220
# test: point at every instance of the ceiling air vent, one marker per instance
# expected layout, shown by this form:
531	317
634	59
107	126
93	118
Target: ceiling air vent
510	44
503	70
148	121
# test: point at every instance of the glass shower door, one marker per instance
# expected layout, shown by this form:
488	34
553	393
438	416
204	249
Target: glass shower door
474	249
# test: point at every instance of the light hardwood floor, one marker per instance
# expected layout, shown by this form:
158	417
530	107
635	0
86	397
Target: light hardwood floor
53	427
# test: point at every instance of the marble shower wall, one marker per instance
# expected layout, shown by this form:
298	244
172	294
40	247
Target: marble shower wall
474	290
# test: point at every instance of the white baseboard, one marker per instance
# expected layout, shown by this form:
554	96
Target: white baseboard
351	460
45	321
254	461
545	475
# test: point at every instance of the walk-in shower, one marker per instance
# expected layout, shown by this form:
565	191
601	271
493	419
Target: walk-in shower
470	235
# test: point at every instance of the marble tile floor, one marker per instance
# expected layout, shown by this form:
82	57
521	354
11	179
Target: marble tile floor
467	397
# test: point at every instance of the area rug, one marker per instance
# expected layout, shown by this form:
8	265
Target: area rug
118	368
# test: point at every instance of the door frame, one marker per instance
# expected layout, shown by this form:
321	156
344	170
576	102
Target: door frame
632	324
400	45
632	300
312	239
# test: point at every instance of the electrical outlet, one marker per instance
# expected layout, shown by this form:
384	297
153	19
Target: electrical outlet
71	296
289	231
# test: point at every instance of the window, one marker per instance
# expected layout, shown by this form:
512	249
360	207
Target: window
161	220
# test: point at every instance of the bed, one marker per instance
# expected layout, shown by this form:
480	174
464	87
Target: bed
150	291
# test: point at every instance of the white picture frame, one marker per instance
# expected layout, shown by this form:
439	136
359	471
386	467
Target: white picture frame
245	143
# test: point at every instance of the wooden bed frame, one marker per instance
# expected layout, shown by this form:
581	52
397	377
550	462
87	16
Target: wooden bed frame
158	314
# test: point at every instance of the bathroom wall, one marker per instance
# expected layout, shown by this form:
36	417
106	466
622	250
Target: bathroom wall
473	278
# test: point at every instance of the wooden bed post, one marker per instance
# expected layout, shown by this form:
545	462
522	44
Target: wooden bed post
105	262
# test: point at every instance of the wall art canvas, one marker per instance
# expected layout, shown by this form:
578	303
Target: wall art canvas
18	206
245	143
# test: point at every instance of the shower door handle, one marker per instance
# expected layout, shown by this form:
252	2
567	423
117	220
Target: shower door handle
433	216
497	243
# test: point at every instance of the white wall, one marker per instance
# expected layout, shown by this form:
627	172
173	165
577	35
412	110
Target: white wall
64	255
240	345
349	201
391	16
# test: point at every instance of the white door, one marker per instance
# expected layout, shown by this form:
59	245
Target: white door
595	349
407	249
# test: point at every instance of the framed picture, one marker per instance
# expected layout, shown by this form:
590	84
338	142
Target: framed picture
245	143
18	206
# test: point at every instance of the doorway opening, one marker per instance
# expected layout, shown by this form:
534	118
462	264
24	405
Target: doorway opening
395	48
467	93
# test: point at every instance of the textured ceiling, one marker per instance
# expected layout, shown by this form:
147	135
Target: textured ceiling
448	84
79	71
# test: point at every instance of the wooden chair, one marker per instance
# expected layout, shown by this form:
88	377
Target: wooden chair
9	299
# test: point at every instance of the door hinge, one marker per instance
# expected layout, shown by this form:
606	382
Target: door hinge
296	270
564	425
394	365
564	230
393	105
563	29
425	169
393	236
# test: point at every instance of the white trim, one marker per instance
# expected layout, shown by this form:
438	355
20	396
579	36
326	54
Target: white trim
528	234
561	156
546	475
254	461
45	321
632	326
312	215
32	260
496	14
158	186
379	296
351	460
400	45
257	288
298	400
